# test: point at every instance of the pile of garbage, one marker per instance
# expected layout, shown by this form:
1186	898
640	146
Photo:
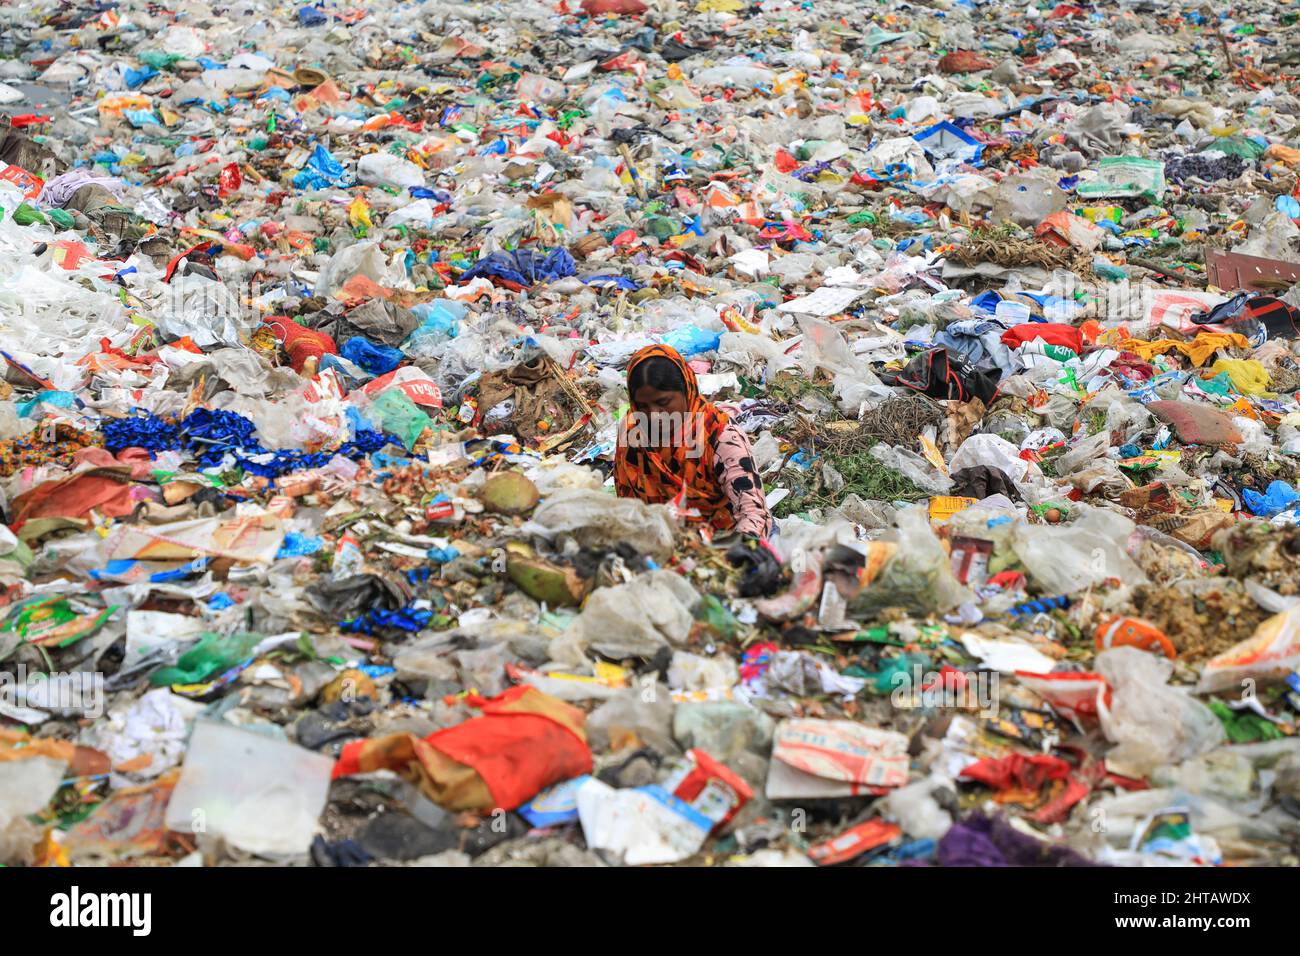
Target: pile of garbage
315	320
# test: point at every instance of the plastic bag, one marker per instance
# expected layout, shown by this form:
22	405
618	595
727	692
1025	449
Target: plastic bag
691	340
484	669
992	451
204	310
1248	376
261	794
1027	199
691	672
360	258
1065	559
26	786
914	467
439	321
824	347
373	358
596	518
1151	723
213	654
649	716
385	169
747	349
1123	414
1268	655
919	576
1278	497
1124	176
635	619
398	415
915	810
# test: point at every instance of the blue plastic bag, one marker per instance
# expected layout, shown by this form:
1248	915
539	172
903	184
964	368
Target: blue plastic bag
439	320
140	118
321	170
58	399
138	78
525	266
1278	498
692	340
298	545
374	358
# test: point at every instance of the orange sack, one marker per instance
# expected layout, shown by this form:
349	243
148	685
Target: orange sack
524	742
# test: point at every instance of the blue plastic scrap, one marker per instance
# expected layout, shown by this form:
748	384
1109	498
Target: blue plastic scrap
321	170
1279	497
525	267
945	141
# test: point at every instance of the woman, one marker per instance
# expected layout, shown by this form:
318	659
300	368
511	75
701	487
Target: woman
675	442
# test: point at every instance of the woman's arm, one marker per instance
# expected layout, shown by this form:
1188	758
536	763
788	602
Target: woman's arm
733	466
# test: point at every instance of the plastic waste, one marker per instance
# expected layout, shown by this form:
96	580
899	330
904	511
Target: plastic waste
261	794
1151	723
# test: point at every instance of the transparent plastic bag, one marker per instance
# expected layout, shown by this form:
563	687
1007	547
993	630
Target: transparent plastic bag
912	466
385	169
458	359
691	672
872	515
1083	454
914	808
1065	559
824	347
645	712
747	350
596	518
261	794
1123	414
360	258
1151	723
918	577
26	786
993	451
1027	199
553	475
766	450
636	619
799	537
484	669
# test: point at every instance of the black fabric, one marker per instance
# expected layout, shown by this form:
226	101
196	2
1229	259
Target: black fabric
1247	309
762	571
936	374
981	481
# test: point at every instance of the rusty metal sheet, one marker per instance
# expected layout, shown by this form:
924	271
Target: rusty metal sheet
1233	271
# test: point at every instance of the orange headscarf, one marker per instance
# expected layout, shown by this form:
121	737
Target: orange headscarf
658	474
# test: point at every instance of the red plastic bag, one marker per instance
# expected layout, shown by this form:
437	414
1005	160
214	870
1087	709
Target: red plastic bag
624	8
524	742
229	180
1017	770
1053	333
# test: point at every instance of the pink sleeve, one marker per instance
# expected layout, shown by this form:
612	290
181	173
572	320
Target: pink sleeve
733	464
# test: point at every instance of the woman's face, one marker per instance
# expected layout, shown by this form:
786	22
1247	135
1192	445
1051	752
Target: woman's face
650	400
